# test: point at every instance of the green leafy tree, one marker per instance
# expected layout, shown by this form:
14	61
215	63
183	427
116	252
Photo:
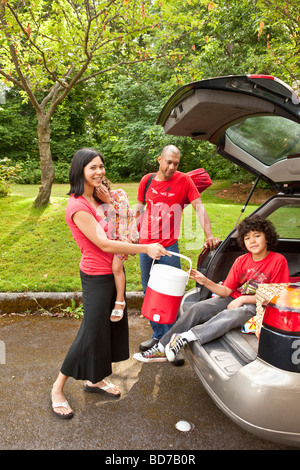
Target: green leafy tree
18	138
123	123
278	24
100	71
48	47
216	38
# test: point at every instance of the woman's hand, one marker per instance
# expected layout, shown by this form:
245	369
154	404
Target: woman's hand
155	251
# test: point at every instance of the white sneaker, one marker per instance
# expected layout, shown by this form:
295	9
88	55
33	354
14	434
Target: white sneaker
152	355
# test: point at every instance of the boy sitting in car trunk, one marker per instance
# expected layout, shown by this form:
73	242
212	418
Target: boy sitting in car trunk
234	302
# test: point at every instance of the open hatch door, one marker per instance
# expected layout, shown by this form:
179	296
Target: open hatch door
253	120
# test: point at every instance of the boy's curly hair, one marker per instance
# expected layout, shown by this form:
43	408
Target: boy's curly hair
256	223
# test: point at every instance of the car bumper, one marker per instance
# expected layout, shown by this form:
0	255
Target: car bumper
260	398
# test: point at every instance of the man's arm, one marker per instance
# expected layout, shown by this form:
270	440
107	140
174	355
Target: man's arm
211	241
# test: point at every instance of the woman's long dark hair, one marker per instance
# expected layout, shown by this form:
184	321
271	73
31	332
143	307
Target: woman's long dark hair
76	177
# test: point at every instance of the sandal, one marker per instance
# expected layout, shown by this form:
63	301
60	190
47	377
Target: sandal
118	313
104	390
64	404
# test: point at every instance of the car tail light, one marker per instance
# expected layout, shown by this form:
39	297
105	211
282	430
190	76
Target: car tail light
269	77
278	86
283	311
279	343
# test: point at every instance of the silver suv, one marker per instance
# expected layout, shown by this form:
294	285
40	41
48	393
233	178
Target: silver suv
254	121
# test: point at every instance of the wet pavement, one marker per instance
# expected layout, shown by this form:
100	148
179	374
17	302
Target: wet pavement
154	397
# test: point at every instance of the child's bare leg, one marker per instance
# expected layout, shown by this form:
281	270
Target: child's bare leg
117	269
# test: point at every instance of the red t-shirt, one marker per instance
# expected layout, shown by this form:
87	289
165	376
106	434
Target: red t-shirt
165	202
246	273
93	261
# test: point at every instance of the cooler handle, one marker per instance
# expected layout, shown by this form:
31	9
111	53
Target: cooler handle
181	256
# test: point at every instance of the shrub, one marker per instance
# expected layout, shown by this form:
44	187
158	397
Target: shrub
8	174
29	171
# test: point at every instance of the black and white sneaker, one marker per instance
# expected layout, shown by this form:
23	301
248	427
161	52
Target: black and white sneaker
174	346
152	355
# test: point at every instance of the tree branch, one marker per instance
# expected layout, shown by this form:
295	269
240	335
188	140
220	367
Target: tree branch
22	83
33	45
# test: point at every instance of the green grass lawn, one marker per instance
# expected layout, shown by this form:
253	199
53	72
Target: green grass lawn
38	253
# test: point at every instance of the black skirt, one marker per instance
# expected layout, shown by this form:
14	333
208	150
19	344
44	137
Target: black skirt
99	342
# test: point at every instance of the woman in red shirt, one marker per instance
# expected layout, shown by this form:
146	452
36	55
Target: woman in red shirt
99	341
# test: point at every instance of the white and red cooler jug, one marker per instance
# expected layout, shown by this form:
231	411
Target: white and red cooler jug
165	289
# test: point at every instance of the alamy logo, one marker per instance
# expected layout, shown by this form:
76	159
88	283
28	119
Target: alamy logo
165	220
2	353
296	353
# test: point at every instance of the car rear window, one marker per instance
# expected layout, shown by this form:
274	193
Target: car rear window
286	220
267	138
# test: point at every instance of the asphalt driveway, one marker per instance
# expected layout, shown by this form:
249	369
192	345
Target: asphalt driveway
154	398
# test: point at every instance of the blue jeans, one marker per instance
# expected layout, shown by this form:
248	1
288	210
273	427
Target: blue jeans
159	330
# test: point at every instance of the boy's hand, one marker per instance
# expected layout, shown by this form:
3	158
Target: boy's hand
240	301
236	303
198	277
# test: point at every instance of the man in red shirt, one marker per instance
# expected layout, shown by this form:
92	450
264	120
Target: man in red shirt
165	199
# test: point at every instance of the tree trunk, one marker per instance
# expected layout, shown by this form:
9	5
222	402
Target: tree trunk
47	171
